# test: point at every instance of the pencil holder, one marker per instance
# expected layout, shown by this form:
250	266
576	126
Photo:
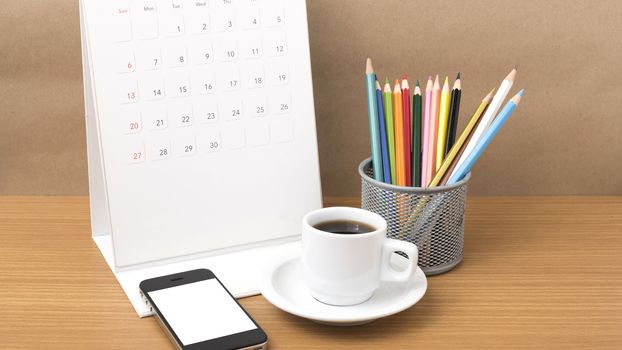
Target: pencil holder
432	218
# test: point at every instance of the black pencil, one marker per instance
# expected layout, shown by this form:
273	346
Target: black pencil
416	137
454	110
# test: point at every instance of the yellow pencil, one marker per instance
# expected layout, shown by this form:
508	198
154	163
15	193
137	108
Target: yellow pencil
443	121
455	149
399	134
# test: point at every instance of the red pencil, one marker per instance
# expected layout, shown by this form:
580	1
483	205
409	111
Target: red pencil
406	109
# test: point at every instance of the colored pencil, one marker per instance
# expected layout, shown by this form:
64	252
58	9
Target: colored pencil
453	164
432	130
443	120
452	167
399	134
451	156
425	127
416	136
384	150
407	137
454	111
487	137
388	116
488	117
374	132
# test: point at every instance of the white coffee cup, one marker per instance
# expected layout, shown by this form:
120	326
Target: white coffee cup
346	269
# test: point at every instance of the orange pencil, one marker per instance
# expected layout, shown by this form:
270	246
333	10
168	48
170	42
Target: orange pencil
433	130
398	122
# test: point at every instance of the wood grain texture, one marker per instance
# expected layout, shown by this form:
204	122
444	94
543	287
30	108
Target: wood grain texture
538	272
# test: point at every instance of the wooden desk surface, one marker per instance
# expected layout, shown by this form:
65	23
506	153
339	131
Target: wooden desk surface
538	272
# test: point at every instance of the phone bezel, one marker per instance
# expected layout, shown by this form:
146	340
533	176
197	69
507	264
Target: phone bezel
233	341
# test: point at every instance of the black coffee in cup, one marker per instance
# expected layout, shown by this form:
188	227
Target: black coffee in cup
344	227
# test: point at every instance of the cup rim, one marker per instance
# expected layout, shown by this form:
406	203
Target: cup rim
378	230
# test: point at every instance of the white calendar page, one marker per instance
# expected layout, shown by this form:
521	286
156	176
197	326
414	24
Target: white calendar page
205	122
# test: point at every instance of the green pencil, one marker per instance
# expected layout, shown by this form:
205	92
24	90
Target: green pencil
416	137
388	115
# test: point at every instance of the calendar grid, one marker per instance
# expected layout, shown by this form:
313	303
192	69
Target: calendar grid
171	50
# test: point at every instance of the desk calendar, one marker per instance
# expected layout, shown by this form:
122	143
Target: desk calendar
201	134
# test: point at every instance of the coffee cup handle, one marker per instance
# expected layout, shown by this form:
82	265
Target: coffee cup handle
389	273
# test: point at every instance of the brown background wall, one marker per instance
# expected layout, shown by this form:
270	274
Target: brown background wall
565	137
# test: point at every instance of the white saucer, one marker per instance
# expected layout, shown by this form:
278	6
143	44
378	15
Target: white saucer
282	285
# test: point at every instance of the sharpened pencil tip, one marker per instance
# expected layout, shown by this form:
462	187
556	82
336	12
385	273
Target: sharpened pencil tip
417	82
489	96
429	77
516	67
517	97
387	86
458	76
404	76
417	90
369	68
429	85
397	88
436	85
405	83
386	80
446	80
512	75
457	83
378	85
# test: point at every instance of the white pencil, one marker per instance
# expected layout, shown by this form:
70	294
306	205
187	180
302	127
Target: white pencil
488	117
487	137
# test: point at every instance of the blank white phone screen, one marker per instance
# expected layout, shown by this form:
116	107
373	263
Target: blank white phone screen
201	311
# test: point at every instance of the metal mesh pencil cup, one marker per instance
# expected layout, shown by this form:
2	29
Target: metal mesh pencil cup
432	218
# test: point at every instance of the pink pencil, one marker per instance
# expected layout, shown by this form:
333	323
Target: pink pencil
433	126
426	134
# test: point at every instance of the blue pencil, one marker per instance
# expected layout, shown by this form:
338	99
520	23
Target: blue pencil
486	138
384	147
374	133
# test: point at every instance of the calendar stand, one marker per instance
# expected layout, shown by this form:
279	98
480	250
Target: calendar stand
237	270
201	141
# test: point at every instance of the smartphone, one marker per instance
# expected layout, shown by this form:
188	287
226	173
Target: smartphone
198	313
